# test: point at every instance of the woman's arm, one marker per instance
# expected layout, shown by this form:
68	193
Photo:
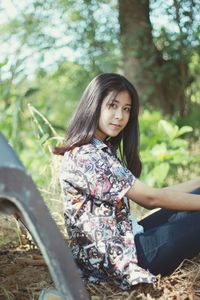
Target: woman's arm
187	186
151	198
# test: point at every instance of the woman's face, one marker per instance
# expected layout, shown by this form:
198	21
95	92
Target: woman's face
114	115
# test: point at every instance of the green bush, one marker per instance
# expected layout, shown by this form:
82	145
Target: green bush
165	151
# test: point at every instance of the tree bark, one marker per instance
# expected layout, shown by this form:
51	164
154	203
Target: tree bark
159	82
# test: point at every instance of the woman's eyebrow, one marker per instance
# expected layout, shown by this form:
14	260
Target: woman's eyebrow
117	101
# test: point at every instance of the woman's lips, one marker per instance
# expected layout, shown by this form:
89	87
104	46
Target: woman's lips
116	126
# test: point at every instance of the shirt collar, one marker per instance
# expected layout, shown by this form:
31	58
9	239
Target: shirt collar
98	143
103	146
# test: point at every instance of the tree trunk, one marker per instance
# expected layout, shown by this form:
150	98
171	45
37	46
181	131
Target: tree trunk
159	82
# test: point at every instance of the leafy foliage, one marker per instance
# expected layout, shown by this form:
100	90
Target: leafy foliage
52	49
165	151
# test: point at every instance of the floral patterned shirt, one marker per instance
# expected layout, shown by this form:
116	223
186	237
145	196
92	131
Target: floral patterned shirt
97	215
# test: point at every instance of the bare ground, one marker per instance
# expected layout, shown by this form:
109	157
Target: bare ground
23	275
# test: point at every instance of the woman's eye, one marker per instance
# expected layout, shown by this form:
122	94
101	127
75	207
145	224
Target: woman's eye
127	109
112	105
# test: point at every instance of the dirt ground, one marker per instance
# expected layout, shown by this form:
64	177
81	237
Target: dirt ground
23	275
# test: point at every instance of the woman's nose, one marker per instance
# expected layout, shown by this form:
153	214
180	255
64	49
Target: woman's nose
118	114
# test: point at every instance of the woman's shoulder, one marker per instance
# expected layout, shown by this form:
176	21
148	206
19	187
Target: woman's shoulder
82	158
87	150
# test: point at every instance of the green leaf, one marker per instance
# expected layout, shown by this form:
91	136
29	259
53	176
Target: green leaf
160	151
30	92
160	173
167	128
184	129
179	143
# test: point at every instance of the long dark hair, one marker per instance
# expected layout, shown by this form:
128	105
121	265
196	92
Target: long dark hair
85	121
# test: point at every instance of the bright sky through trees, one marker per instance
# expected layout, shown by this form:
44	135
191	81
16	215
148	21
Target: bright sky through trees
11	9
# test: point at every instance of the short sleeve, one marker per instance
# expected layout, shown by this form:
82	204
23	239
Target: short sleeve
97	174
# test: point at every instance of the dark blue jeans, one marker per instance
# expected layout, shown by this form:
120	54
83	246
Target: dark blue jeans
169	237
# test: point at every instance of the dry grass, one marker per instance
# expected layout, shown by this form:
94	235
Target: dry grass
183	284
21	280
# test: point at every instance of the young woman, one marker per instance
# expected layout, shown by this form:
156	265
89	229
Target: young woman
107	242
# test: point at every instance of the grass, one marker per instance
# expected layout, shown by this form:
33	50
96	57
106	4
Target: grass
6	294
183	284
